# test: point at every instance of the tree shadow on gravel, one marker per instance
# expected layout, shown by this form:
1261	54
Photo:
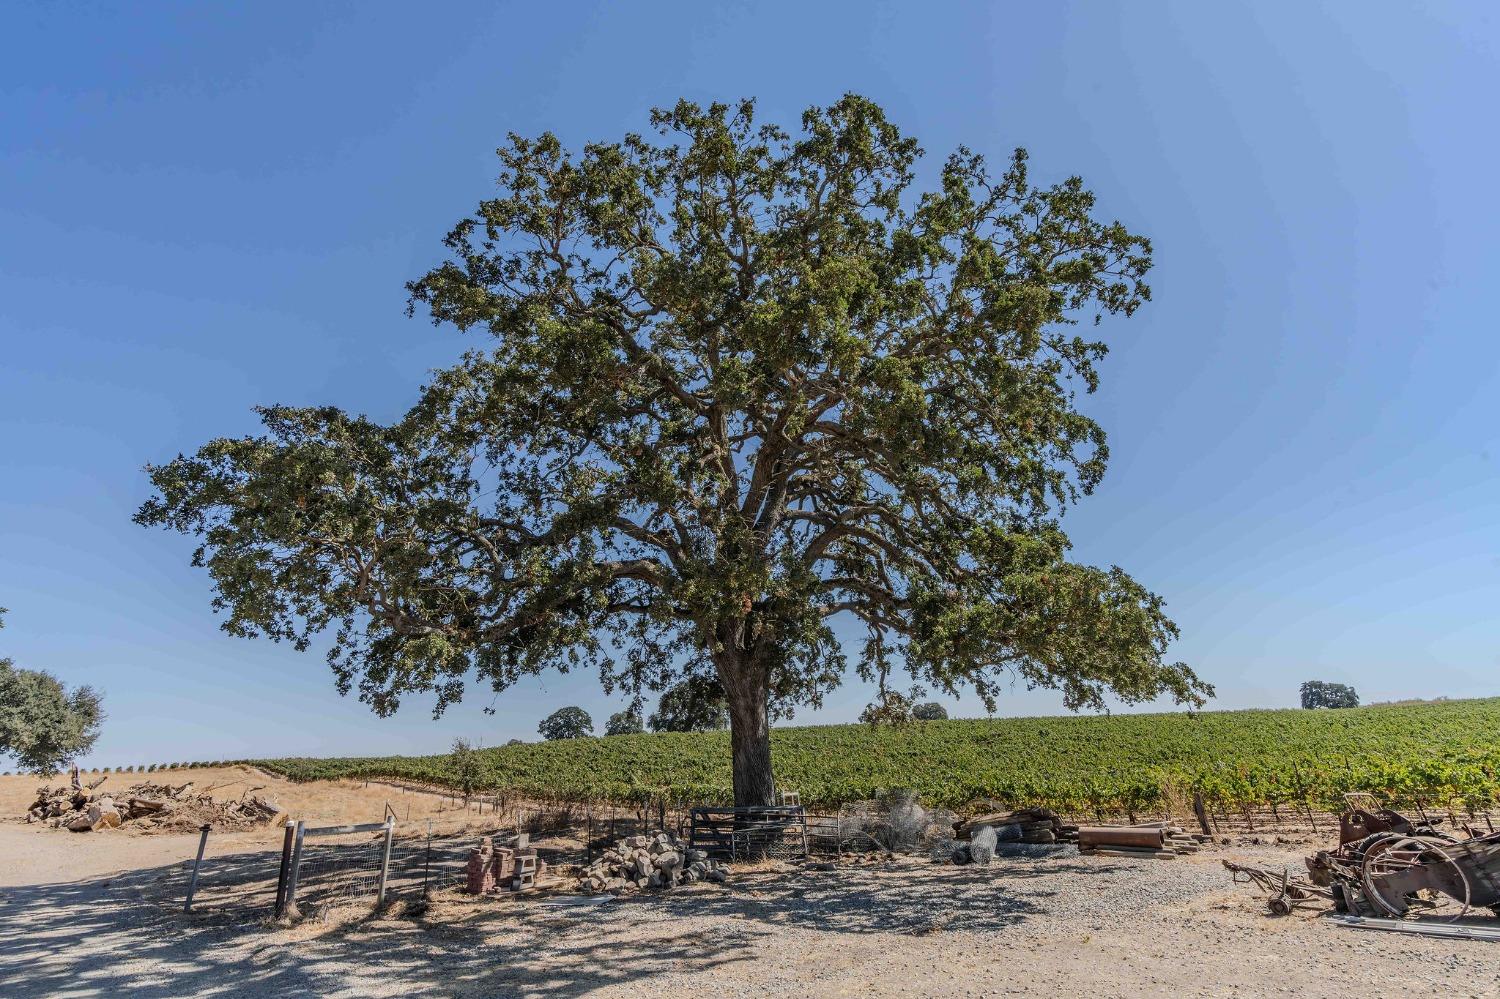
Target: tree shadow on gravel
910	897
127	934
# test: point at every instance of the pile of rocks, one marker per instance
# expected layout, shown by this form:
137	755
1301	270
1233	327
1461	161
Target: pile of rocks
656	860
83	808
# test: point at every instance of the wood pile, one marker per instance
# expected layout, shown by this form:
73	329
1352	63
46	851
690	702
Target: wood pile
84	808
1161	840
1025	825
658	860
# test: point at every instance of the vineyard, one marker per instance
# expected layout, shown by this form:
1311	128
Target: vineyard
1446	753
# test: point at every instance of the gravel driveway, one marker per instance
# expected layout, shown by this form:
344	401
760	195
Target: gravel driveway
1056	927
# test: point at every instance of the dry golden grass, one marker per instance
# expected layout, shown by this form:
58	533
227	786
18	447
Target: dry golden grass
316	802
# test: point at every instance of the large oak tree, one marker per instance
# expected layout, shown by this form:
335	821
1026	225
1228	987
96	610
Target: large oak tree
739	382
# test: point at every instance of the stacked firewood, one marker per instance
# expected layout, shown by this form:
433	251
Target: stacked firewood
84	808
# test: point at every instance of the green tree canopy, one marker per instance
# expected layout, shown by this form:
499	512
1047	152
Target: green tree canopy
929	711
695	704
43	725
1321	694
467	767
738	382
566	723
627	722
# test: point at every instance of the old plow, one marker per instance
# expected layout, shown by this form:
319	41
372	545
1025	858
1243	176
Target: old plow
1388	866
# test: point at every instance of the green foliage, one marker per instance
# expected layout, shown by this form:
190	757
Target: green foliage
627	722
930	711
1321	694
696	704
738	381
890	708
466	767
1234	758
43	725
566	723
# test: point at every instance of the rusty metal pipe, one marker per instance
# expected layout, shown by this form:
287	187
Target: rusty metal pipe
1153	839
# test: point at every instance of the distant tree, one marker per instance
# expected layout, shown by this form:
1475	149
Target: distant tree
43	725
696	704
930	711
515	742
566	723
467	767
1319	694
627	722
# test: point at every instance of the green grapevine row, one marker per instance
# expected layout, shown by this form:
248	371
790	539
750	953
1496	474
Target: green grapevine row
1445	751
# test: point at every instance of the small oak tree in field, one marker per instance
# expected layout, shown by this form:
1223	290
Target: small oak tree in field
567	723
738	381
1321	694
627	722
43	725
467	767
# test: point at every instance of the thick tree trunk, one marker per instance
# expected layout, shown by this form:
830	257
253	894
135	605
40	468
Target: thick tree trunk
749	730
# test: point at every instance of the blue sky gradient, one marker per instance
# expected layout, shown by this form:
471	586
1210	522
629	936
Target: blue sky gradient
208	207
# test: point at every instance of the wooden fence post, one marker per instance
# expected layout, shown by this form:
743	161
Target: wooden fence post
291	881
286	866
1202	813
385	862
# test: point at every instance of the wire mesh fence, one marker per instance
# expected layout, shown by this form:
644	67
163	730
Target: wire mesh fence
340	870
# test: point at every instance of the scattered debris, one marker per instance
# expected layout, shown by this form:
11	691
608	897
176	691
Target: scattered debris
1387	865
1027	825
1283	891
656	860
153	806
996	833
1156	839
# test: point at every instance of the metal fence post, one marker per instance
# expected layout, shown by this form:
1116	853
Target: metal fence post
385	862
286	867
290	907
427	867
187	905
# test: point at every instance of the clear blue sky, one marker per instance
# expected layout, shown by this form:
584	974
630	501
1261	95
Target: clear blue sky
206	207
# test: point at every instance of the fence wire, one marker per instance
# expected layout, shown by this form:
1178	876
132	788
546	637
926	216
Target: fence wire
339	871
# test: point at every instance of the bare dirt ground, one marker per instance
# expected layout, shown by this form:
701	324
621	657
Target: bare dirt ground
99	914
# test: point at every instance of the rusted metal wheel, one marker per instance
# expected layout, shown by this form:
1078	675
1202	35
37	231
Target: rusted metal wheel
1393	853
1281	905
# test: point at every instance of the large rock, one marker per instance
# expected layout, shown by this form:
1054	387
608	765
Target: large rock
982	844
